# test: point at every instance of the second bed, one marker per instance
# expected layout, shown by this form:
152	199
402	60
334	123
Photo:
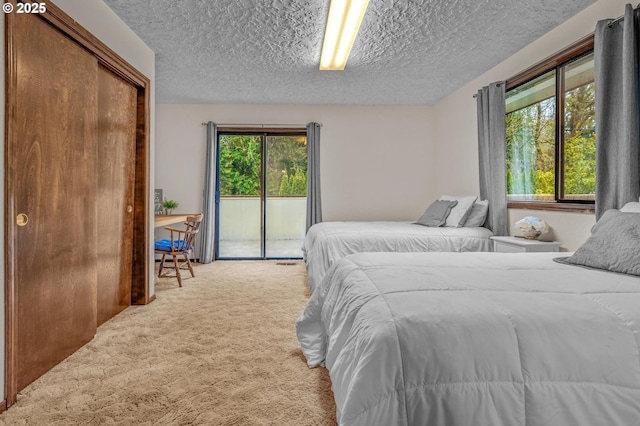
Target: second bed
328	242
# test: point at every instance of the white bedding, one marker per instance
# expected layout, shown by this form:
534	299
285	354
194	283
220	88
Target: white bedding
327	242
476	339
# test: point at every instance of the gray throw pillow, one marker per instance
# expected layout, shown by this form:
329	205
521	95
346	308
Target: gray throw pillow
478	215
614	244
436	214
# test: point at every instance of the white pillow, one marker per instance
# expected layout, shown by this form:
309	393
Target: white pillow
631	208
478	213
460	212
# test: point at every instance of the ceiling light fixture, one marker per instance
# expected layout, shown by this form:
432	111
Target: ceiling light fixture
343	23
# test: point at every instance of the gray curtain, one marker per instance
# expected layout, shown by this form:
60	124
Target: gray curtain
491	153
617	112
208	225
314	202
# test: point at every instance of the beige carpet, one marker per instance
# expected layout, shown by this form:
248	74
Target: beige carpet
221	350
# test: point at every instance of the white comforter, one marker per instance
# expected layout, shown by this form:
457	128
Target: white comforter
476	339
327	242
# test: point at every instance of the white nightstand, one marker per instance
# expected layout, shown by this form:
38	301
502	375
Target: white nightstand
523	245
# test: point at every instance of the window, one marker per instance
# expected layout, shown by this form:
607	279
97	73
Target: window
262	188
550	132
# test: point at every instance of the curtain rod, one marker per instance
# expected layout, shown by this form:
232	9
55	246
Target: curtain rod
621	18
262	126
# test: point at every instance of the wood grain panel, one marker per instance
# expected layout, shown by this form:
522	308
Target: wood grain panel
141	250
53	175
117	104
14	166
111	60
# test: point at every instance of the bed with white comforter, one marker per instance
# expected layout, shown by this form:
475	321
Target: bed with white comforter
328	242
476	339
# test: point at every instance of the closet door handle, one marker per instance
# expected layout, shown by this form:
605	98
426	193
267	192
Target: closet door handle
22	219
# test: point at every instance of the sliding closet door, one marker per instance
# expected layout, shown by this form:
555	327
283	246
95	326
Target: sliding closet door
52	170
117	103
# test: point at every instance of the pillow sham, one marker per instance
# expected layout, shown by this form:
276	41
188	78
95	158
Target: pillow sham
478	213
460	212
614	244
436	214
631	208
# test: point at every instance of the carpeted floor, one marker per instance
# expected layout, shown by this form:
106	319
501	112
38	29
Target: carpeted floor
221	350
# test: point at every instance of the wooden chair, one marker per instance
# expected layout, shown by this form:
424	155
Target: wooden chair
180	243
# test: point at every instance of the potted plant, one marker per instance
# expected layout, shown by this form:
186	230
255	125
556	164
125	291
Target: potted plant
169	205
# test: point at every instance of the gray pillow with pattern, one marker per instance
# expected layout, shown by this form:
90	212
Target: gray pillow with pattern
614	244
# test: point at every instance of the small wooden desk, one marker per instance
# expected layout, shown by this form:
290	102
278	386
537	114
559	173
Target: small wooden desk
167	219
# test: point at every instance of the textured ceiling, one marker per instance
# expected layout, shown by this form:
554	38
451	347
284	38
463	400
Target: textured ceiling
267	52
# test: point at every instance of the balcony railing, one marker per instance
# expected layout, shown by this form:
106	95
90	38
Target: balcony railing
239	221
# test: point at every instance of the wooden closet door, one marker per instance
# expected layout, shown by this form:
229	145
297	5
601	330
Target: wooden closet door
117	104
52	170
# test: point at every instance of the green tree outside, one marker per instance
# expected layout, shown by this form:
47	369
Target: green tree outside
531	151
580	141
240	165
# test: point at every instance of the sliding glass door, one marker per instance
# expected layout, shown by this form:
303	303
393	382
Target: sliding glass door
239	201
261	198
286	195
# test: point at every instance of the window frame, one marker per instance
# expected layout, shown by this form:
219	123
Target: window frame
556	61
263	133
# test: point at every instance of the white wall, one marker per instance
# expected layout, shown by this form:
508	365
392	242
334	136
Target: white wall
377	162
456	121
96	17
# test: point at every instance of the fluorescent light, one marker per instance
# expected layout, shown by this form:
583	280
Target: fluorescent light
343	23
